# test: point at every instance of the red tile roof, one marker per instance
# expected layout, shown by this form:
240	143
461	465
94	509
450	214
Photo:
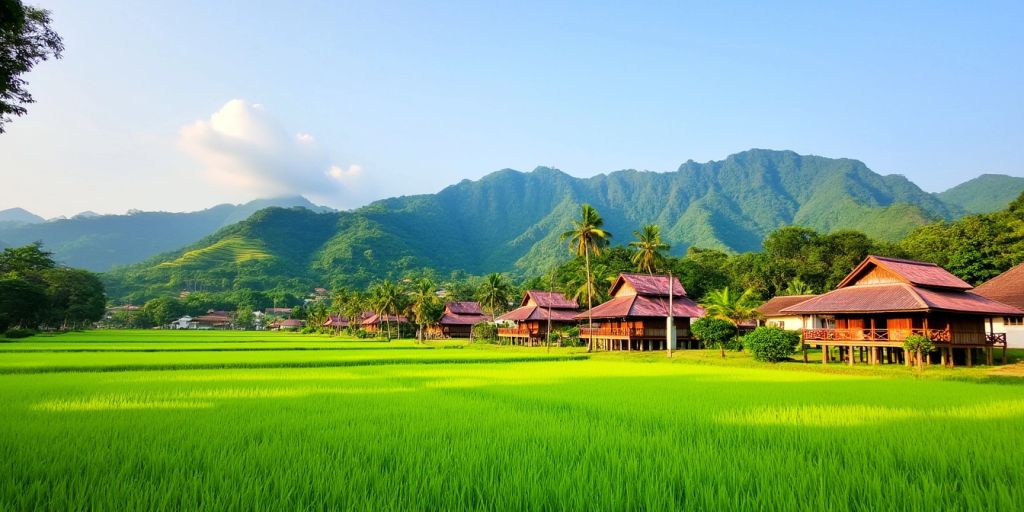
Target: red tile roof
464	308
898	297
1007	287
646	284
552	300
644	306
775	305
917	273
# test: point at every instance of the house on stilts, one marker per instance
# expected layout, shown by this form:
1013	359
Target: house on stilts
885	300
458	320
635	317
538	311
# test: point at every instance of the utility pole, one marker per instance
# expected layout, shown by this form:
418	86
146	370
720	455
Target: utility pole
670	338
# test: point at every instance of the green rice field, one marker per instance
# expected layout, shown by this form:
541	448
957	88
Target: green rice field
224	421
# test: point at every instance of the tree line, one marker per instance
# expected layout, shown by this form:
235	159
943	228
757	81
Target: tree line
36	292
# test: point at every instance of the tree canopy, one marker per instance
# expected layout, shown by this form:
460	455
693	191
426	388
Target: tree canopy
26	39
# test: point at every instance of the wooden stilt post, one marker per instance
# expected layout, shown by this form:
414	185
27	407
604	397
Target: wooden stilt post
942	356
970	357
805	351
988	356
1004	354
824	354
850	355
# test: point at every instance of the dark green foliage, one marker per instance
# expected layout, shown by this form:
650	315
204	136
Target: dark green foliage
771	344
35	292
26	39
485	332
15	333
713	332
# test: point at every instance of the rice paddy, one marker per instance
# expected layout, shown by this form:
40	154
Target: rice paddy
315	423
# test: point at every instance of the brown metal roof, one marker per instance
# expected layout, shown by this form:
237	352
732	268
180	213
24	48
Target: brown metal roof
646	284
898	297
917	273
775	305
1007	287
457	319
644	306
336	321
376	319
553	300
464	308
527	313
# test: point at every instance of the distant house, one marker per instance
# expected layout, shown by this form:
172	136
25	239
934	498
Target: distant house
336	322
213	320
1007	288
530	320
885	300
184	322
458	319
291	324
636	316
374	322
773	316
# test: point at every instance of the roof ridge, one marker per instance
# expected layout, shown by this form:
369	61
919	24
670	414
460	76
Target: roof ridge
917	296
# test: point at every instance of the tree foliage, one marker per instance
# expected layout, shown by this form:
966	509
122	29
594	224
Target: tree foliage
713	332
35	292
26	39
771	344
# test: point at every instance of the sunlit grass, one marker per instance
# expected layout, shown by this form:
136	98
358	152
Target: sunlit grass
611	432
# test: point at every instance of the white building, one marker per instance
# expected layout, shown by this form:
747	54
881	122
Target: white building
772	314
1007	288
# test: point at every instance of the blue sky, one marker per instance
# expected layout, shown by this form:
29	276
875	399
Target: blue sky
182	105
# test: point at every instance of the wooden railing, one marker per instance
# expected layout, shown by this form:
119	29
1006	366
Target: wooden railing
519	332
628	332
890	335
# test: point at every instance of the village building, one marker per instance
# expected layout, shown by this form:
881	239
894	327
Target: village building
213	320
772	315
635	318
885	300
1007	288
291	324
458	320
374	323
528	324
336	322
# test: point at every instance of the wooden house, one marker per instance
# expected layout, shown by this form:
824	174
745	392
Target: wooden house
636	316
530	321
772	315
884	300
374	322
1007	288
336	322
458	319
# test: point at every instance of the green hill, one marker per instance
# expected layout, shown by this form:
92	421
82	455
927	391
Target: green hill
99	242
985	194
510	221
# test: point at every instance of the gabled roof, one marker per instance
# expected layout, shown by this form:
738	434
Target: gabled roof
646	284
552	300
527	313
1007	287
464	308
900	297
291	322
644	306
775	305
336	321
917	273
376	319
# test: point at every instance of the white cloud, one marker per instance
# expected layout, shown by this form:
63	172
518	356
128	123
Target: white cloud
243	147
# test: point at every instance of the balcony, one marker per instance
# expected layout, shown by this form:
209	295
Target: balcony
626	333
893	337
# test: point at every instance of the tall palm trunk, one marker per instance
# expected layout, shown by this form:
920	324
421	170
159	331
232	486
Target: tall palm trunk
590	301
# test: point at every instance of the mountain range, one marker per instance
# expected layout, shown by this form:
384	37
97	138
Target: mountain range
510	221
99	242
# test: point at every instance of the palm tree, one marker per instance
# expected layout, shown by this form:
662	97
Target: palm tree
493	291
386	300
424	306
587	236
650	250
728	305
798	287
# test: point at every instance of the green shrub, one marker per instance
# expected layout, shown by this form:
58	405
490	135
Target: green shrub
570	336
771	344
917	347
15	333
714	332
485	332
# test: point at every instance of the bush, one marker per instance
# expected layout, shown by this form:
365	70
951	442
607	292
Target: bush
918	347
714	332
15	333
570	336
771	344
485	332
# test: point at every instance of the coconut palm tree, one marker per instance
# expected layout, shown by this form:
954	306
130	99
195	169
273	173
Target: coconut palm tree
798	287
387	300
495	290
587	236
649	249
731	306
425	306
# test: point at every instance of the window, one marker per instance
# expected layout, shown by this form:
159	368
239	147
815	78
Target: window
1013	320
776	323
